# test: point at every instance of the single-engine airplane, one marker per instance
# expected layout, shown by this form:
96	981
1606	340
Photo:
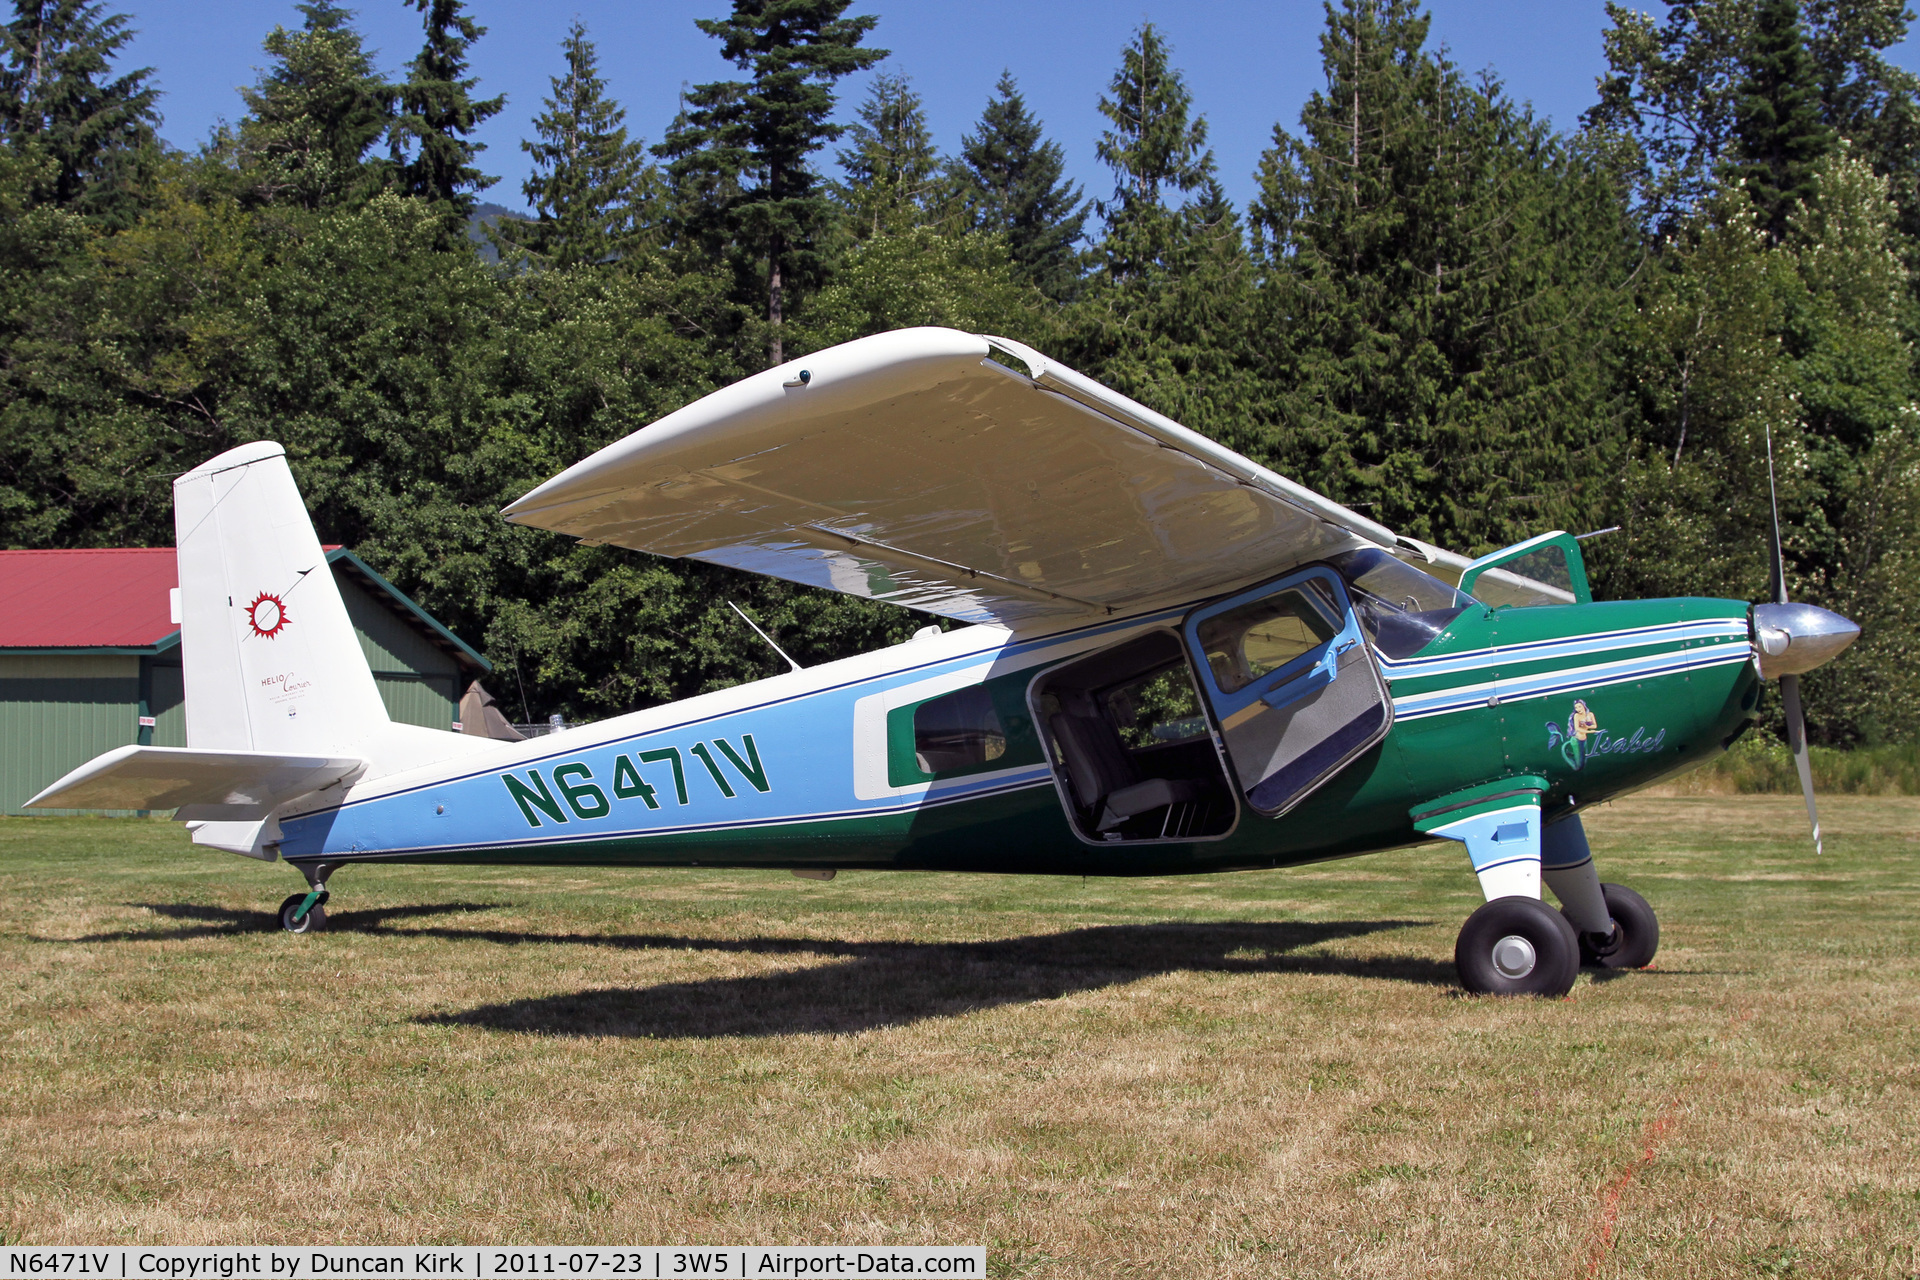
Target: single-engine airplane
1179	662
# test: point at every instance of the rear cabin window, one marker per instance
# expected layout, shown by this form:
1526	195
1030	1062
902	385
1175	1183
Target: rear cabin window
958	732
1262	635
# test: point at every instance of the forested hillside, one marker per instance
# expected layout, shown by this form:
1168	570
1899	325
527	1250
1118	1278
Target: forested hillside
1438	310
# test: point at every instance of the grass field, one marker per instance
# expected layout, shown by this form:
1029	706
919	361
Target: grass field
1257	1075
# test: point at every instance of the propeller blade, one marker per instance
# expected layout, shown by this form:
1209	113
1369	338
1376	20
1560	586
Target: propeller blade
1777	579
1797	744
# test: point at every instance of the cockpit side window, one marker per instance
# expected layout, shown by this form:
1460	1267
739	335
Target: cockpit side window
1401	608
1263	635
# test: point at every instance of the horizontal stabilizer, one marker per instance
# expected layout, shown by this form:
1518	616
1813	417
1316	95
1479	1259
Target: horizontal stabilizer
206	785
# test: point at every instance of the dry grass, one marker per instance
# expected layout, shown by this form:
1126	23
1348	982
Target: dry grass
1758	765
1254	1075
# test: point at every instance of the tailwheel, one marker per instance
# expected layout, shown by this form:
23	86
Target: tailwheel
1517	947
313	921
1635	936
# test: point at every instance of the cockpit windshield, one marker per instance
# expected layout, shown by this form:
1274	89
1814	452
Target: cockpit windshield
1402	608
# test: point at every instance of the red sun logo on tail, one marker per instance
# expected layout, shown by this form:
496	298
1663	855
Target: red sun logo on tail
267	615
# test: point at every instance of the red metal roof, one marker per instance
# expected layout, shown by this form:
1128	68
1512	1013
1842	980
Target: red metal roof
86	599
118	599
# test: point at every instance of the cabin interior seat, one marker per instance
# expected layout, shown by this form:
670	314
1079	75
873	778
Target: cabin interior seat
1105	781
1174	788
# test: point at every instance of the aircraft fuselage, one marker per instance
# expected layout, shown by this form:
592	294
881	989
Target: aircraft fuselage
809	769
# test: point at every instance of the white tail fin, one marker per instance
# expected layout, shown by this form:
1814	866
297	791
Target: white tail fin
281	705
272	661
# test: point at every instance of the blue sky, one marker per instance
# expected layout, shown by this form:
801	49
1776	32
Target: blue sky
1249	64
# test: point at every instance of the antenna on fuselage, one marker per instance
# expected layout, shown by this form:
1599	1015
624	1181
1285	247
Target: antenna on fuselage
763	635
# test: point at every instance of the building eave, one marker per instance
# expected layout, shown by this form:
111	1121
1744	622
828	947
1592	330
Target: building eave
462	652
91	650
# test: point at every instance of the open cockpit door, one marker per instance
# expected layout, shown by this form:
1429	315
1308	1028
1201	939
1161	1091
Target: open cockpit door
1291	683
1129	745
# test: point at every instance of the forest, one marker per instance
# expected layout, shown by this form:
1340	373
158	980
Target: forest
1438	309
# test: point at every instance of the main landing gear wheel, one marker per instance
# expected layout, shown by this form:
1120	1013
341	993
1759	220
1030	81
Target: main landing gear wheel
1517	947
1635	937
313	922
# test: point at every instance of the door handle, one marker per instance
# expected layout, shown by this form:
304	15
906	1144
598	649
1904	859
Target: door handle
1321	673
1329	664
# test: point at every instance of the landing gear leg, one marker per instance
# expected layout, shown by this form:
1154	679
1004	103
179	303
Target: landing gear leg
1616	927
1634	937
1515	944
307	912
1567	865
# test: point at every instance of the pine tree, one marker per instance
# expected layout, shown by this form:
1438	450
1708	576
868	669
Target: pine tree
1152	147
1442	275
1015	187
57	93
892	168
313	116
739	151
589	180
1778	134
1164	318
434	159
1674	90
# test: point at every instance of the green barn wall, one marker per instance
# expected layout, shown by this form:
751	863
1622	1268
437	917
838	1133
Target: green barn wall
424	700
59	712
419	681
169	704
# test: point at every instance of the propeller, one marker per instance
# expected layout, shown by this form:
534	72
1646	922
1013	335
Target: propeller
1795	638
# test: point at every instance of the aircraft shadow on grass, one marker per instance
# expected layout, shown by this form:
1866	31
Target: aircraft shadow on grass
889	984
214	922
872	983
866	985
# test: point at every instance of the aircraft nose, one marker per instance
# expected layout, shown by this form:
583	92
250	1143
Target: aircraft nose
1796	638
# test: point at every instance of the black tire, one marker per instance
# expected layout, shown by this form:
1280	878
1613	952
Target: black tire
1517	947
1636	932
313	922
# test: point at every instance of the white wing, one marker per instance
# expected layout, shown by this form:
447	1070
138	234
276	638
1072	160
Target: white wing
964	475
